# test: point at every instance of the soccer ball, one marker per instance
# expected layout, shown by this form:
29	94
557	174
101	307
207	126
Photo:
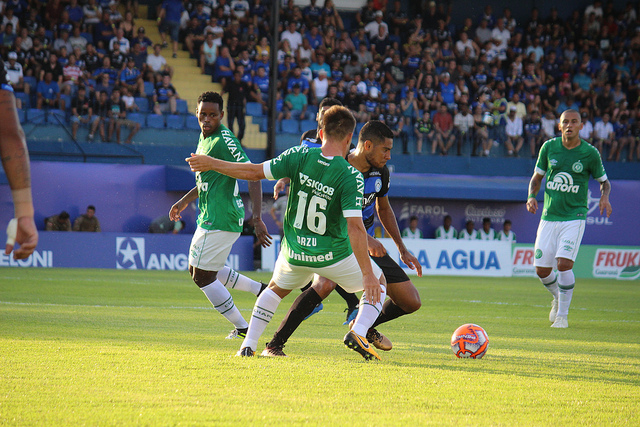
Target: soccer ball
469	341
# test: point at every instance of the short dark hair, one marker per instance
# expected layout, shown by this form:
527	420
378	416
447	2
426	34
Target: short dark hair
63	215
486	219
447	217
374	131
507	221
93	208
329	102
213	97
413	218
338	122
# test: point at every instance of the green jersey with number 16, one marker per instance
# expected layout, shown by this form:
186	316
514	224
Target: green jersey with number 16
220	204
567	178
323	192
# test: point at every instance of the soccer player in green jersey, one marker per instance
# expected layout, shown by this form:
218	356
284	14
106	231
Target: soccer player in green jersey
221	215
323	228
566	162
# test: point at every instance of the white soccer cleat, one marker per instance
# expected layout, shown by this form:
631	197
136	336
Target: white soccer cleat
561	322
554	310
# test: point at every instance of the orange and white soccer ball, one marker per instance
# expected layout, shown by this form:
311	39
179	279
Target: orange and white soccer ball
469	341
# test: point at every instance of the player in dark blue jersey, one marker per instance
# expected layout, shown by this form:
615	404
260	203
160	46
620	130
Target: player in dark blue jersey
370	157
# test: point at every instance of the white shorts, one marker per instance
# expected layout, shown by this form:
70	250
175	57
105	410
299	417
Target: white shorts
346	273
557	239
210	248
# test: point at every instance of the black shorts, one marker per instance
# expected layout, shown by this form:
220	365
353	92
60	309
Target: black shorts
392	271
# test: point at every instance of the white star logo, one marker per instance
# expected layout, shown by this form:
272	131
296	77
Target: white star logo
128	254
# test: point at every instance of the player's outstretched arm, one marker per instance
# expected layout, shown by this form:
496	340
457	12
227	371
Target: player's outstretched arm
390	224
255	193
605	206
180	205
358	239
534	187
248	171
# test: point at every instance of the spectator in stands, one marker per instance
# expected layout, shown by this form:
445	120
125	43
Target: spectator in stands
169	18
549	125
87	221
469	232
59	222
320	64
48	93
482	119
72	75
486	232
514	130
15	75
445	136
208	55
92	13
424	131
157	63
163	224
533	133
392	118
319	87
412	231
129	101
104	31
483	33
120	43
238	91
102	84
604	135
463	123
107	69
446	231
131	78
164	97
295	105
623	137
101	110
293	36
81	111
586	132
224	66
118	118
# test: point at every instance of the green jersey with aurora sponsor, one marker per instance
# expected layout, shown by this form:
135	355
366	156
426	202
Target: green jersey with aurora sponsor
220	204
323	192
567	178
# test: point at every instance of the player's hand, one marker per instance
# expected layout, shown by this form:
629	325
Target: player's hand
199	162
174	212
605	206
372	289
264	238
376	248
26	237
411	261
279	187
532	205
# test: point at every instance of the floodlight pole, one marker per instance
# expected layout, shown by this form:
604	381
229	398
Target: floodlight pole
273	80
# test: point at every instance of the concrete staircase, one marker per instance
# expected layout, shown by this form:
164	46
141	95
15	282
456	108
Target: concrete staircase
190	83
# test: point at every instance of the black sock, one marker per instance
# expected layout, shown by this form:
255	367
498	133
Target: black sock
307	286
301	308
351	299
389	311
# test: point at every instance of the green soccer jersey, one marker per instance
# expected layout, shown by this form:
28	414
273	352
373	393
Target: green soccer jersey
220	204
567	178
323	192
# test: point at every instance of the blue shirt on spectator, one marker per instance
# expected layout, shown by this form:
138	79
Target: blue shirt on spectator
316	41
48	91
173	10
304	84
448	93
129	75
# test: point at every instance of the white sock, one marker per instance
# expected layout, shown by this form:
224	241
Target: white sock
368	313
566	282
231	279
263	311
551	283
223	302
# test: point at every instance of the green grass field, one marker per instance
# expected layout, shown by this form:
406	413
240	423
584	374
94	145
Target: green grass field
113	347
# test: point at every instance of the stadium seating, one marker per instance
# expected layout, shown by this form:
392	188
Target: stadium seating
138	118
35	116
175	121
192	122
290	126
22	115
56	117
155	121
148	88
26	102
312	111
359	126
182	106
254	109
142	103
306	125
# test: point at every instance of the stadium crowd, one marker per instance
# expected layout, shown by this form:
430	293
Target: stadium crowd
489	85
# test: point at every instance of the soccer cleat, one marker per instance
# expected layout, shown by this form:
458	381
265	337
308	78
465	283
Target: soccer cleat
274	352
554	310
237	333
316	309
360	344
378	340
263	286
245	352
351	314
561	322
